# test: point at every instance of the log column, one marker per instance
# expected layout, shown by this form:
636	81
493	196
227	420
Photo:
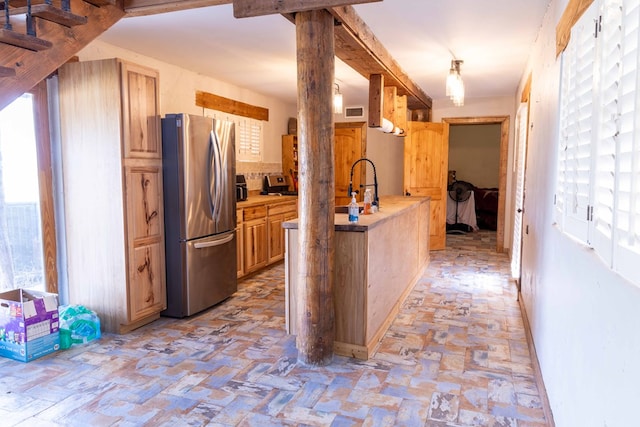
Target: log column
316	61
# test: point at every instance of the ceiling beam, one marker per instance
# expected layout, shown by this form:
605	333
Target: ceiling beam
249	8
153	7
359	48
355	43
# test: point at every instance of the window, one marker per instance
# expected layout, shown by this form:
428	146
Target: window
598	182
248	137
576	127
27	232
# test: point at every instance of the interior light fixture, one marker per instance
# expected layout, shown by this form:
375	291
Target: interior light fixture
337	100
455	85
389	127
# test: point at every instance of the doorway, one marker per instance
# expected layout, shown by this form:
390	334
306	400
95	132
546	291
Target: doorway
503	122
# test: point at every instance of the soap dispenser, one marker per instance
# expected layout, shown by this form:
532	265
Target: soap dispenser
354	210
368	198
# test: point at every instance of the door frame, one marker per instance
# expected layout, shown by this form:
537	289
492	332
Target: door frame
503	121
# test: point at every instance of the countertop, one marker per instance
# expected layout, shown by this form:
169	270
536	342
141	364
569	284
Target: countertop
390	207
258	200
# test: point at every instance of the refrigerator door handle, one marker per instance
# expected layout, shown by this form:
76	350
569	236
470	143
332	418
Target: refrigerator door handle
212	243
220	185
211	185
215	176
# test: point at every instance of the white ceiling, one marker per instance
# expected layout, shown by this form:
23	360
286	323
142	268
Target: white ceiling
492	37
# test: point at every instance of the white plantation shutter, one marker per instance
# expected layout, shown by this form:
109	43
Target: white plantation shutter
627	217
248	137
255	138
608	77
249	140
521	150
610	138
577	126
565	109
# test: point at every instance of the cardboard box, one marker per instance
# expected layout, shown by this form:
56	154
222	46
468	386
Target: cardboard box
29	326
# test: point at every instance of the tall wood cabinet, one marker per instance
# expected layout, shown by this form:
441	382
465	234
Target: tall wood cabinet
290	160
112	173
350	145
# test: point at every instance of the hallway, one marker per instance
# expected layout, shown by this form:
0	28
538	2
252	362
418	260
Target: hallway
455	356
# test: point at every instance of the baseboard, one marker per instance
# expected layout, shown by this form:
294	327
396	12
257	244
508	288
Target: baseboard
546	407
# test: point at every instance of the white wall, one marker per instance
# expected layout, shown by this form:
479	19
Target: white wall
387	153
177	95
474	153
584	318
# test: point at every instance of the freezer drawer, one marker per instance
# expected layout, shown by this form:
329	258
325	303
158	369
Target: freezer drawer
209	275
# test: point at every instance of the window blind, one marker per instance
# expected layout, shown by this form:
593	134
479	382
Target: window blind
248	137
575	160
608	77
600	129
627	216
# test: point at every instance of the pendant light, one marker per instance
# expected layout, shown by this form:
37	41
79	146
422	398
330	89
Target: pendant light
455	85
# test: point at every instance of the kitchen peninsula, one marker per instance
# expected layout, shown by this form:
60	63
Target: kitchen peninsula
378	261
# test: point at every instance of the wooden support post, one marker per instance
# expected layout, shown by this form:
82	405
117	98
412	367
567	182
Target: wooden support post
316	313
376	98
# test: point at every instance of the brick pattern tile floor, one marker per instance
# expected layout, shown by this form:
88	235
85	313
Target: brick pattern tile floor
456	355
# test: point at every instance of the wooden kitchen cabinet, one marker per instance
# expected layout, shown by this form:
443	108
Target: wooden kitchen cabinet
262	240
276	215
290	160
112	175
240	242
255	238
350	145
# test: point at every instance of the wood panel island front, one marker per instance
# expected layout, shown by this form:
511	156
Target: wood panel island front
378	261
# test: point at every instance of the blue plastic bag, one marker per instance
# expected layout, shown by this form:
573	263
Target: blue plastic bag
78	325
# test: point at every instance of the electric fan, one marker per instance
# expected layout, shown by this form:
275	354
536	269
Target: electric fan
459	191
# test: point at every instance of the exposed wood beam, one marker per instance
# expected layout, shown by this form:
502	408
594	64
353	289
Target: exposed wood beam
376	100
249	8
226	105
152	7
355	43
569	17
358	47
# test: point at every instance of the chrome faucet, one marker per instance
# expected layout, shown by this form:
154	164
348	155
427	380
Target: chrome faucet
376	200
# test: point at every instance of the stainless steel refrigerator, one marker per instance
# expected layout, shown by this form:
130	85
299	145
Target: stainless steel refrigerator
200	212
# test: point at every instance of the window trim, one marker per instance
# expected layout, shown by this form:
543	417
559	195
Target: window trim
602	226
45	182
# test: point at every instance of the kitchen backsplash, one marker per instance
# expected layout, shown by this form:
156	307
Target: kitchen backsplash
254	172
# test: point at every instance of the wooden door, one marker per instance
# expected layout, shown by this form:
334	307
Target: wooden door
426	156
349	147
